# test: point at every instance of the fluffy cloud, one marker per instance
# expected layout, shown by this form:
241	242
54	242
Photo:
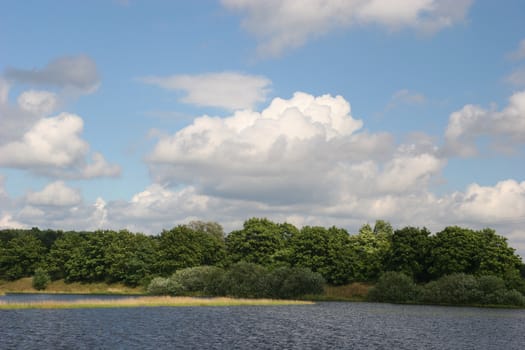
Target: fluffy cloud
226	90
4	91
465	125
298	150
505	201
76	72
280	25
55	194
50	142
53	146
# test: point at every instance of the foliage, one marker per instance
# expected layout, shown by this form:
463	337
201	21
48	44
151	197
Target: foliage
265	257
462	250
20	256
203	279
183	247
261	241
41	279
394	287
409	251
326	251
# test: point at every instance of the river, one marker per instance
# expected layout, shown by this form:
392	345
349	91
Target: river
325	325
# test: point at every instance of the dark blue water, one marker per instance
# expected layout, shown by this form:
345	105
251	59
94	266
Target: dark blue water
320	326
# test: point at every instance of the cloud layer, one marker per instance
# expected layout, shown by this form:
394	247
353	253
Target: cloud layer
77	72
228	90
280	25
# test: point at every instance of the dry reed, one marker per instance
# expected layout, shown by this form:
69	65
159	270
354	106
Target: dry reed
148	302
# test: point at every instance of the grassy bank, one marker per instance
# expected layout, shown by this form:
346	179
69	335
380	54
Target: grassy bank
24	285
150	302
350	292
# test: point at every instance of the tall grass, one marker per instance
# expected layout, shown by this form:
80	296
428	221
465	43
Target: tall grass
149	302
24	285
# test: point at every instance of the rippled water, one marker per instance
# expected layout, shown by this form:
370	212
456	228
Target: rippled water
320	326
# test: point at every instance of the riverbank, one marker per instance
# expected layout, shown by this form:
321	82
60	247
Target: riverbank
24	285
149	302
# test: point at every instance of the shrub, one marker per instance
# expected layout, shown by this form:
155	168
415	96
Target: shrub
197	279
245	280
164	286
40	279
457	288
301	281
394	287
292	282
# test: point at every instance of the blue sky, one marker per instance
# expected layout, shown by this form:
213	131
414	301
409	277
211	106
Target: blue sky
147	114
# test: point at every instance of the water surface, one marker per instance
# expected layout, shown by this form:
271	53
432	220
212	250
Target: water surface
320	326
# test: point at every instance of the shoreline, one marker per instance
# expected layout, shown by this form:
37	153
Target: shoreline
149	301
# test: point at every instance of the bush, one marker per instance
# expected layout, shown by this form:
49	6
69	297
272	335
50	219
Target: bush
40	279
394	287
164	286
245	280
457	288
200	279
301	281
293	282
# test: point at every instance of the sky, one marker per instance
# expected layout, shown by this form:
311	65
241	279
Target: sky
143	115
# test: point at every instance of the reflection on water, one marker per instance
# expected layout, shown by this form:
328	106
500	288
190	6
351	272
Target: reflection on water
320	326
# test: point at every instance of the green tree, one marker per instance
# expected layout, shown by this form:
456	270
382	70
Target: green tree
40	279
130	257
322	250
183	247
21	256
462	250
261	241
410	248
371	251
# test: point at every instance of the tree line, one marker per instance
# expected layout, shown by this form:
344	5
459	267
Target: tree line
339	257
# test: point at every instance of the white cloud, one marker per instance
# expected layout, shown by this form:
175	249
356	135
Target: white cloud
53	146
38	102
228	90
55	194
517	77
50	142
298	150
100	168
504	201
281	25
72	72
519	53
465	125
7	222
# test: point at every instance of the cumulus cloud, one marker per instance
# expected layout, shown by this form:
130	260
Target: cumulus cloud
280	25
52	141
470	122
54	146
99	167
228	90
55	194
303	149
76	72
504	201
